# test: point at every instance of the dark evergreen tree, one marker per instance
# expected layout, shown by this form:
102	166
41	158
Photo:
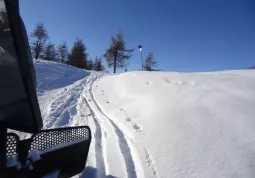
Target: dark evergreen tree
62	51
50	52
150	63
78	56
252	67
98	66
90	64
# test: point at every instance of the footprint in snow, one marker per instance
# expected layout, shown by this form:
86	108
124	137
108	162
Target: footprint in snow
136	127
167	81
149	83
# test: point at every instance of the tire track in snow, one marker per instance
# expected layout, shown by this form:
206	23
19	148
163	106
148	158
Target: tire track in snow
123	143
126	152
115	159
98	144
69	108
144	160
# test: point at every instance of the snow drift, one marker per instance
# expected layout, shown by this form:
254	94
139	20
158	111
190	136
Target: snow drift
185	124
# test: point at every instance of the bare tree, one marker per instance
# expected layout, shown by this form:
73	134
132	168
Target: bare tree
38	39
98	66
150	63
62	51
117	54
78	56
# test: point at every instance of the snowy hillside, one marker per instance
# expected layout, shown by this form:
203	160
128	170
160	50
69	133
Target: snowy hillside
155	124
185	125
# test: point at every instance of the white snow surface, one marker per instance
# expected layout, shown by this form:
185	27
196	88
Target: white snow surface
155	124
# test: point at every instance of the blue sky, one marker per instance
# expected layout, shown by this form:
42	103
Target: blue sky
184	35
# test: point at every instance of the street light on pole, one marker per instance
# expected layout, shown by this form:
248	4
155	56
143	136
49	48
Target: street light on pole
141	51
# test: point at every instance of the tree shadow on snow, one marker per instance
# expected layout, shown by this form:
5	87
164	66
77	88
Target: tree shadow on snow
91	172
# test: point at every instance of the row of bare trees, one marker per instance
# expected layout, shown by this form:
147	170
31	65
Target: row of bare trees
117	55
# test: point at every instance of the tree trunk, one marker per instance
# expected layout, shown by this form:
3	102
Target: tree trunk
37	50
115	63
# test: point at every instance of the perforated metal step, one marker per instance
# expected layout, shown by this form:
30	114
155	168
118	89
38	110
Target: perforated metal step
47	139
11	145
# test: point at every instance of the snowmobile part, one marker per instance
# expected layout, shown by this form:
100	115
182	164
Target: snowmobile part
63	149
19	108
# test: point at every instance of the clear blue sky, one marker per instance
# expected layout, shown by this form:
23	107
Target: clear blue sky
184	35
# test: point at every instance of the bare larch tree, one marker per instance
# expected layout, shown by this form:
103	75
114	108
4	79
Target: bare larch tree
117	54
38	39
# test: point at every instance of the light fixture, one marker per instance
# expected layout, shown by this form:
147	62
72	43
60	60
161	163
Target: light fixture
140	47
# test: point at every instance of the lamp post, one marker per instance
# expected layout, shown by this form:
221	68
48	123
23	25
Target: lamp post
64	48
141	51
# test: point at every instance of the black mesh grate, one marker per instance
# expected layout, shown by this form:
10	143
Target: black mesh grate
47	139
11	144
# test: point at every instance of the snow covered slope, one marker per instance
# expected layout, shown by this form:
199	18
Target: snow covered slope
184	124
155	124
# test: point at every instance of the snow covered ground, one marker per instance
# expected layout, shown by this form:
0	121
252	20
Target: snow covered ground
155	124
